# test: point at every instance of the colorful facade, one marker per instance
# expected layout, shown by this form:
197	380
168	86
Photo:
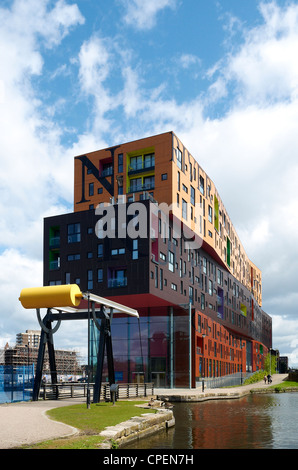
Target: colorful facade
150	231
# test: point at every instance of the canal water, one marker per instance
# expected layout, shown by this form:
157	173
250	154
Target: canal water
257	421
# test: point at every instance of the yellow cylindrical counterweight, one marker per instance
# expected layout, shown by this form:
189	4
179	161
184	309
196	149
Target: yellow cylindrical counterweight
51	296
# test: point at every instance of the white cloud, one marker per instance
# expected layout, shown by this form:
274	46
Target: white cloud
142	15
30	150
264	69
17	271
32	159
188	60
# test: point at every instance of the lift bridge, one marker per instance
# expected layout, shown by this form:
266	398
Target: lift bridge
62	303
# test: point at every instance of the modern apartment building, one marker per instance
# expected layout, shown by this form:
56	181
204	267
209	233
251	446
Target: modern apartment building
150	231
31	338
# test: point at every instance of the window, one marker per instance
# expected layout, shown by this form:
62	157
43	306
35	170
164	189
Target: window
136	184
91	189
120	163
136	163
100	250
202	185
185	188
135	252
74	233
148	182
89	255
149	160
210	287
202	301
219	277
118	251
164	176
184	209
171	261
179	158
73	257
190	293
67	278
204	265
161	279
210	214
173	286
99	275
107	169
178	180
192	195
199	323
90	279
162	256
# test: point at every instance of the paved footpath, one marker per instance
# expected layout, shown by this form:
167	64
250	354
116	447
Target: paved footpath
196	394
26	423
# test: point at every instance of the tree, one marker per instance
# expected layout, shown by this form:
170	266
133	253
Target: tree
270	364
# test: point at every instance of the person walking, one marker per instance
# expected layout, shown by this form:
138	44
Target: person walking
265	379
269	379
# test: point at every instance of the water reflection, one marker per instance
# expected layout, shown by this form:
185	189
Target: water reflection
252	422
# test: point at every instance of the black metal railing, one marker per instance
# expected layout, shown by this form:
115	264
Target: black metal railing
79	390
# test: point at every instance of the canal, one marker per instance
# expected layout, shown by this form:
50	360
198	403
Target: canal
257	421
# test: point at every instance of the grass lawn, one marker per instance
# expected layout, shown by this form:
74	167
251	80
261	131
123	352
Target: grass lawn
90	422
284	385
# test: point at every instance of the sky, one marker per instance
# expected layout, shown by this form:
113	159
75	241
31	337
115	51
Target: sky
78	76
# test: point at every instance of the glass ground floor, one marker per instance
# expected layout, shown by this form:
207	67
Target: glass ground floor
156	348
152	348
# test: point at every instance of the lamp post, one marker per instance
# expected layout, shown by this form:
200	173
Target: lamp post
190	346
88	377
203	360
188	307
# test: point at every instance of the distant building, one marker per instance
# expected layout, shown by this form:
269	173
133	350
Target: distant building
283	364
25	352
31	338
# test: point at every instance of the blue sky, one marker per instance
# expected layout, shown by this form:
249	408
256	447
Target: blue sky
77	76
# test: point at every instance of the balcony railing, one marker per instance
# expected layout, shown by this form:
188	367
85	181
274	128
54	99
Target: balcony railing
107	172
141	187
55	242
117	282
55	264
140	167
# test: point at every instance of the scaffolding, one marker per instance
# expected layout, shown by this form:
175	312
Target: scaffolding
67	361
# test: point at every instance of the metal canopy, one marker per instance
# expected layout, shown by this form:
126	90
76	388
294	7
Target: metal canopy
113	307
